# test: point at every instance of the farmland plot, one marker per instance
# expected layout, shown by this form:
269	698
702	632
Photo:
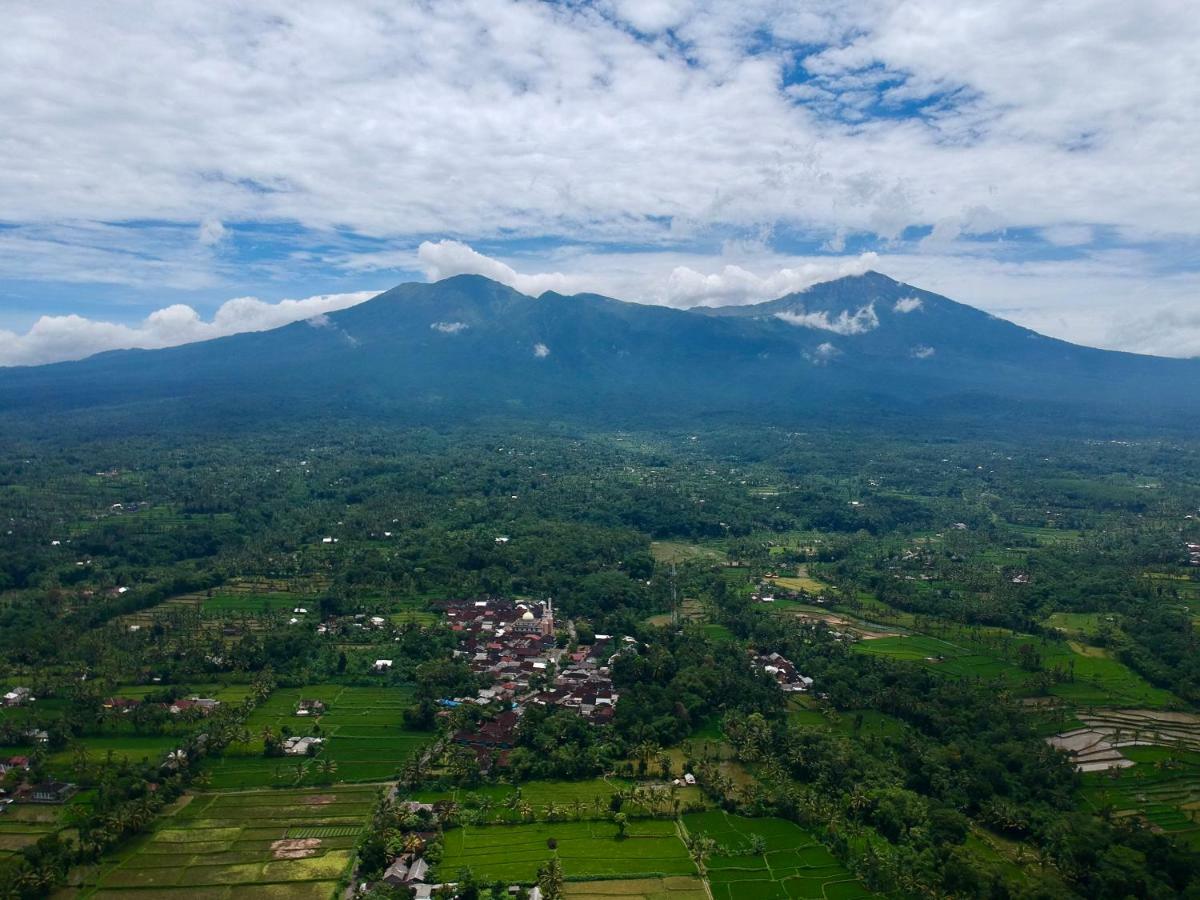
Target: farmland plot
296	843
651	847
363	727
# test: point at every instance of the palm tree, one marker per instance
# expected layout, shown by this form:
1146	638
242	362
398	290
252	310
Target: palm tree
644	751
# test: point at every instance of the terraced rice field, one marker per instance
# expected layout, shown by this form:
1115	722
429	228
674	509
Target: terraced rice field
1163	788
794	864
240	845
363	727
651	847
1099	744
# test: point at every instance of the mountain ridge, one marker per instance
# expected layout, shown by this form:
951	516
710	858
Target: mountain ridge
468	346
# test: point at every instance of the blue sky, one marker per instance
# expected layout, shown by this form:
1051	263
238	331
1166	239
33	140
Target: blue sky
177	171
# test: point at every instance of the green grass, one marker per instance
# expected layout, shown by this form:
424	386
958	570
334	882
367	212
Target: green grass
363	729
1080	625
793	865
222	843
513	853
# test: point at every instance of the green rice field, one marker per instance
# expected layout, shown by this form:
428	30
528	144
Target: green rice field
241	845
651	847
793	865
364	732
1163	788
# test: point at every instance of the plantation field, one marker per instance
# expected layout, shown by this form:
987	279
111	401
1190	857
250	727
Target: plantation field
244	597
256	603
675	887
677	552
863	722
793	864
801	581
364	733
1093	680
839	621
255	844
651	847
22	824
690	610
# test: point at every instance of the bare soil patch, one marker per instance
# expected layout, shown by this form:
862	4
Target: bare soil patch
295	848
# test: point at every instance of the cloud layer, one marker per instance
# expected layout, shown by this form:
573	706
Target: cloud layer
56	338
1032	158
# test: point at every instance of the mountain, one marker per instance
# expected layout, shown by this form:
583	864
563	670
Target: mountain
470	347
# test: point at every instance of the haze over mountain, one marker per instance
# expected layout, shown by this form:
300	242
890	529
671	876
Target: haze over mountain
468	346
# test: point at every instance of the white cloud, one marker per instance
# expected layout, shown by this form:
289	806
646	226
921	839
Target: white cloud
652	279
211	232
846	323
922	352
1069	235
734	285
449	327
527	119
540	350
823	354
447	258
908	304
56	338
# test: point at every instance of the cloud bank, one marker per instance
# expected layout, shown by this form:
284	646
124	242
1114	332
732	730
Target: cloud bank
1027	157
445	259
58	338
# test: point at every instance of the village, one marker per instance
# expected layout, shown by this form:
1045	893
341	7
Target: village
514	644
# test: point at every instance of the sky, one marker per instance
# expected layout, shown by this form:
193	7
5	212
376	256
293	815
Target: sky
174	172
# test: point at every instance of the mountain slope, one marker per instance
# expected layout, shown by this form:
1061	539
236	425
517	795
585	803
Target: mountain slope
467	346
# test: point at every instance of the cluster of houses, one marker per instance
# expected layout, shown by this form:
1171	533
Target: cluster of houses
42	792
1193	554
302	746
204	705
310	708
514	645
783	673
